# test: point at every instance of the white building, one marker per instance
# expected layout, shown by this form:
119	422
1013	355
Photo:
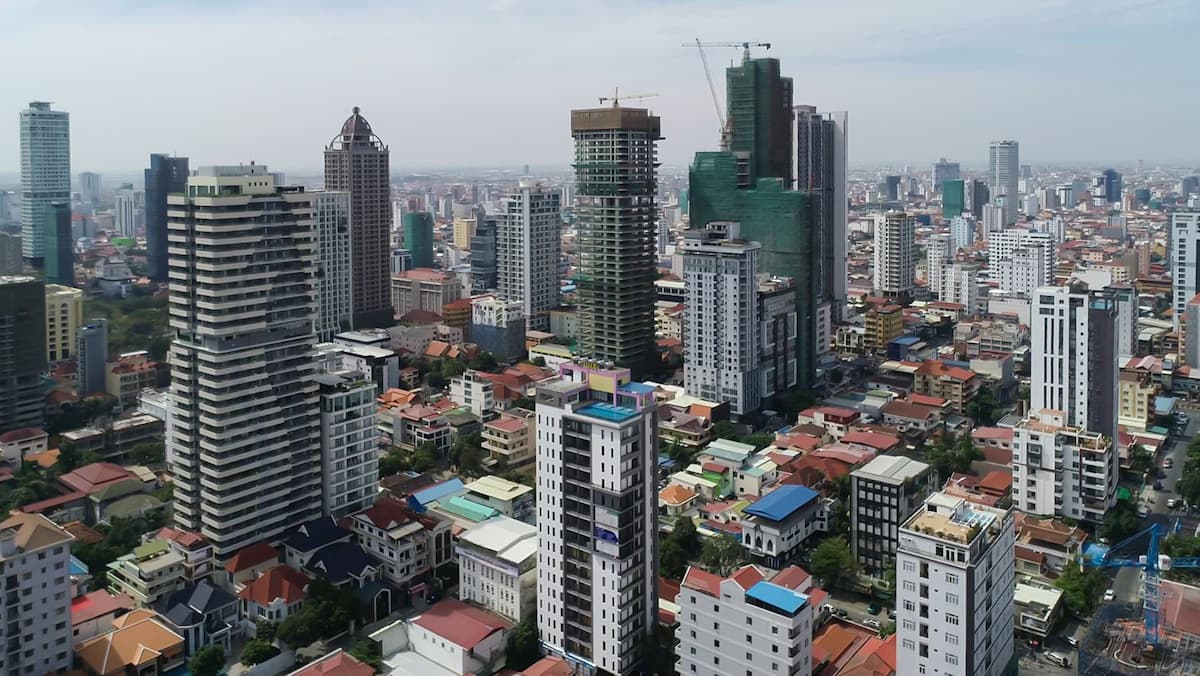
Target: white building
993	217
331	216
596	437
497	567
127	215
960	284
745	623
450	638
1059	469
775	525
407	544
35	551
1025	269
89	188
721	325
528	243
895	264
1003	174
777	314
1183	234
1004	243
939	252
883	494
475	392
349	455
962	230
246	414
954	589
45	173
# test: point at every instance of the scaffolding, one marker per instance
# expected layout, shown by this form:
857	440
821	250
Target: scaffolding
1115	644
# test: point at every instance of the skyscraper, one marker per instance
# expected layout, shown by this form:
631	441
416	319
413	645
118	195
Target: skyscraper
125	213
759	104
616	166
954	201
45	173
1183	236
979	196
357	161
10	254
721	329
597	573
891	184
1113	186
528	246
895	265
944	171
349	457
1003	174
91	354
166	175
954	589
246	453
23	335
331	216
418	238
821	141
939	254
89	188
59	246
483	255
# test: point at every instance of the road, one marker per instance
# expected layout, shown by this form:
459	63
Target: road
1128	582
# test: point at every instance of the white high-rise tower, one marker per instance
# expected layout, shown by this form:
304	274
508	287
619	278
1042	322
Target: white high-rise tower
1003	173
528	243
45	173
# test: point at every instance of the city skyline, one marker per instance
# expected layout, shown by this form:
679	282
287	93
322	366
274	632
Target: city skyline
842	58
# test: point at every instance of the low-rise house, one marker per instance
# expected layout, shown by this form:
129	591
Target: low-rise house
272	596
140	643
18	443
409	544
148	574
1058	542
957	385
877	443
1037	608
336	663
204	615
197	552
324	549
131	373
450	637
410	427
675	500
92	614
836	421
497	567
247	564
124	499
508	440
91	478
777	523
906	415
510	498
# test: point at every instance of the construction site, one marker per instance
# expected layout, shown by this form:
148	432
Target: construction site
1116	643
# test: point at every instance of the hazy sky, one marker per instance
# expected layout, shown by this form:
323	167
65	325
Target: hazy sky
457	83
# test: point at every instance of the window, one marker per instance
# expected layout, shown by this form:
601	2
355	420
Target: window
951	578
749	620
716	643
952	599
923	650
951	659
951	639
910	586
909	644
909	606
952	619
749	638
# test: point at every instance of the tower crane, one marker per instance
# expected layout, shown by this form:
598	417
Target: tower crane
617	96
1124	555
744	45
726	130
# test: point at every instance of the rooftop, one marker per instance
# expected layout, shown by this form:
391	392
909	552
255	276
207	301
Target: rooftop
892	468
785	600
463	625
498	487
609	412
952	518
782	502
508	539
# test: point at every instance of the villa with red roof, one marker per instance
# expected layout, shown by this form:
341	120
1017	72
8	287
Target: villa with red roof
957	385
835	420
272	596
336	663
448	637
248	563
91	478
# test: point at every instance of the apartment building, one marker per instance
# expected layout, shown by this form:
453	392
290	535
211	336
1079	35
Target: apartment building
883	494
508	440
349	453
409	545
131	373
64	316
955	384
1061	469
497	567
475	392
424	289
150	573
35	554
528	244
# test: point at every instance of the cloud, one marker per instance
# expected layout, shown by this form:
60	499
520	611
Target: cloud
468	84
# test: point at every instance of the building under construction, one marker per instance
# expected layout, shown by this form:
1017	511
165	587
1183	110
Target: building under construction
1115	642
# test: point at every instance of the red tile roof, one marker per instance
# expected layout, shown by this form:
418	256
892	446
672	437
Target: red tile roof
997	481
792	577
183	538
278	583
98	604
992	433
463	625
668	589
926	400
255	554
714	467
880	442
551	665
747	577
389	512
338	663
51	503
702	581
21	434
91	478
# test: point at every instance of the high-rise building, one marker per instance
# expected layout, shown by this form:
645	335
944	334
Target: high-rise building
1191	334
1063	469
462	231
775	615
955	571
1004	243
357	161
721	329
895	264
883	494
244	345
91	355
498	326
616	167
954	199
23	335
821	142
349	457
1183	238
759	103
979	196
64	316
944	171
418	238
1073	350
1025	270
165	175
993	216
89	188
10	254
962	229
960	284
597	516
528	246
37	630
483	255
939	253
1113	186
891	187
1003	174
125	213
331	216
45	173
777	315
59	259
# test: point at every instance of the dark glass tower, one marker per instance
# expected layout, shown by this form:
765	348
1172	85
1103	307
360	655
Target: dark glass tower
165	176
23	335
483	254
60	246
418	238
759	105
357	161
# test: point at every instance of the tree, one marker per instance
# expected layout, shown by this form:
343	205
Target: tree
485	361
721	554
467	454
328	611
1120	522
148	453
539	362
523	647
265	630
258	651
685	535
391	463
672	560
526	403
425	457
724	430
983	408
759	441
208	661
832	562
1080	588
366	651
1139	458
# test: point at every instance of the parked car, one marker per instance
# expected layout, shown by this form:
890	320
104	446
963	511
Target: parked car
874	609
1071	641
1168	463
1109	595
891	613
1060	660
872	622
1171	502
1143	511
1158	485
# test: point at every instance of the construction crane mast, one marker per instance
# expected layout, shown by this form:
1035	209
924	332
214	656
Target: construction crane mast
617	96
726	129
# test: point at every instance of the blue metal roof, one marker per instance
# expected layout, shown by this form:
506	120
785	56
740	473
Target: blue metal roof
1164	405
786	600
433	493
907	340
782	502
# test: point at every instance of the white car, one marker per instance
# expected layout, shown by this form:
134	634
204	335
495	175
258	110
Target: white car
1143	511
1168	463
1171	502
1109	595
872	622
